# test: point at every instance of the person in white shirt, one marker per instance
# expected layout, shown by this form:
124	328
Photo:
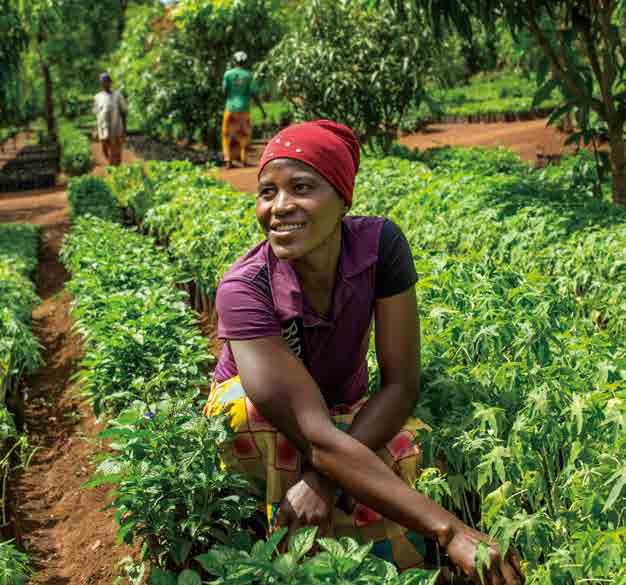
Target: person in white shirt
111	111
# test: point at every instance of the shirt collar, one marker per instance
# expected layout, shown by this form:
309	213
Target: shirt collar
287	293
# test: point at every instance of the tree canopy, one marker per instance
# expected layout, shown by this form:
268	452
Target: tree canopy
583	52
353	63
13	40
172	60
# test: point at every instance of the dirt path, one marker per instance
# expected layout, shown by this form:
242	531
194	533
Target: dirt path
63	527
525	138
128	157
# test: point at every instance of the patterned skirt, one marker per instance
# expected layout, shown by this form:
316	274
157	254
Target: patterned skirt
272	464
236	134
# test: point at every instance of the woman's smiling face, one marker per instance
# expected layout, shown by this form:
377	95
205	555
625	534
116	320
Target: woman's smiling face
297	208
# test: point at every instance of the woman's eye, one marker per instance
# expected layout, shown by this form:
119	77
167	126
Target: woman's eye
266	193
302	187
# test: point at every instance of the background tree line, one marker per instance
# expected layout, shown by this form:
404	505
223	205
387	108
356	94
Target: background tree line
364	62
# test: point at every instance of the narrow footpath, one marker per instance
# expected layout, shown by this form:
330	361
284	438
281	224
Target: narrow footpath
70	538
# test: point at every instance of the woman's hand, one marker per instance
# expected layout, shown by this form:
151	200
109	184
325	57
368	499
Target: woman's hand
310	502
462	548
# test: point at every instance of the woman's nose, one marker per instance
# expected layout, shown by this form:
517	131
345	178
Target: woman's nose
283	203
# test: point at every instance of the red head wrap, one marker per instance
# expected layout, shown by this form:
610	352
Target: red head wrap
330	148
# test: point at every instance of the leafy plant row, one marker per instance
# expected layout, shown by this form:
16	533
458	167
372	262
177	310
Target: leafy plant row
19	350
91	195
205	223
76	158
144	363
523	310
485	96
521	293
19	355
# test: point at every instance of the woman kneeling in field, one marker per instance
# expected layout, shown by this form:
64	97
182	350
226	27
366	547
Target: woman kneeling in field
296	313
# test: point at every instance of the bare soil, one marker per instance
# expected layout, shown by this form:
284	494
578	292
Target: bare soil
526	138
64	528
128	157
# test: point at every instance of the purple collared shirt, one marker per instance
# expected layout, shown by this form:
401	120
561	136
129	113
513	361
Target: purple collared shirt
260	296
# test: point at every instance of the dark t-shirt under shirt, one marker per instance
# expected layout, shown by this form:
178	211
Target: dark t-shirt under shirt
260	296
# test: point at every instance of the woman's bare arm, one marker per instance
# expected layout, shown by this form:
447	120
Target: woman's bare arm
284	392
397	350
281	388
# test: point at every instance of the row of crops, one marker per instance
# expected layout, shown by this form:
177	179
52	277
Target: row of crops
19	356
490	97
521	295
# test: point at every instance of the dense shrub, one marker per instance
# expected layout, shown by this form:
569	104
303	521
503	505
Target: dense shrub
359	66
76	158
92	196
199	37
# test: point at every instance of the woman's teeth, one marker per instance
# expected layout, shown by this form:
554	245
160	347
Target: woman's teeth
288	227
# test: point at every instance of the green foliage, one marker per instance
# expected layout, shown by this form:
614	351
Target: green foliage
92	196
521	295
19	355
206	223
477	161
198	37
12	42
69	38
171	489
140	342
359	66
76	156
7	133
582	51
15	567
19	242
19	350
487	97
140	187
7	426
523	351
496	93
337	561
144	361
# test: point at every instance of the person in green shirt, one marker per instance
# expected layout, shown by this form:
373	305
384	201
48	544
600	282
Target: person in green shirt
240	87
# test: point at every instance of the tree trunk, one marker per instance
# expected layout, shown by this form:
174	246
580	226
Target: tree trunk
49	101
121	23
618	162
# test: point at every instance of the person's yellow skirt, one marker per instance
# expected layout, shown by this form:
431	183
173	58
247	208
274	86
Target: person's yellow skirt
236	131
272	464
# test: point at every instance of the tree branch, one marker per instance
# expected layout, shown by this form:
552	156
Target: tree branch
559	68
604	16
586	30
